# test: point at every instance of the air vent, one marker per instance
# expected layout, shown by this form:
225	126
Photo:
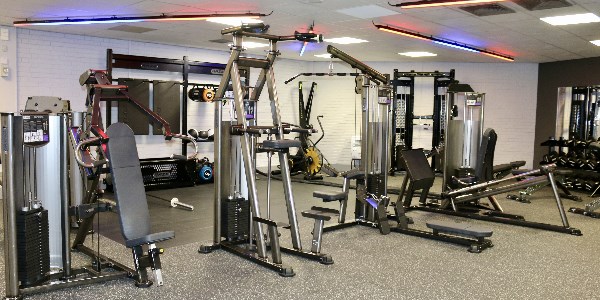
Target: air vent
132	29
542	4
487	10
221	41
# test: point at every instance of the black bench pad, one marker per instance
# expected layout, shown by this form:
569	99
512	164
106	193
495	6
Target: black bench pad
281	144
460	229
150	239
330	196
320	213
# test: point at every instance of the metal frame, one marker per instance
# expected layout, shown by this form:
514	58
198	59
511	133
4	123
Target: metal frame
403	107
258	253
183	66
481	190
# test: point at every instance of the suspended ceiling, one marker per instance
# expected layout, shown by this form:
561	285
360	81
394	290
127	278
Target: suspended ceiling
510	27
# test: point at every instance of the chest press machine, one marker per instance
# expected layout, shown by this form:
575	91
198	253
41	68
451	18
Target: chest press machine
117	148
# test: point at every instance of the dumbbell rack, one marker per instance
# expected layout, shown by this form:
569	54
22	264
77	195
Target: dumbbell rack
583	167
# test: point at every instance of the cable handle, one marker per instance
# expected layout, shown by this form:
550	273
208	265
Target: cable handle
189	139
80	148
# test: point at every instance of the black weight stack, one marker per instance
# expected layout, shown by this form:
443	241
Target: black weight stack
235	218
376	184
33	246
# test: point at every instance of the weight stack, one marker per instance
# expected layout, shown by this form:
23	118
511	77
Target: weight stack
235	219
33	246
376	184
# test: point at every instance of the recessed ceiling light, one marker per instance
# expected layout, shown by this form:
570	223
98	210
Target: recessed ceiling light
596	42
345	40
326	55
572	19
417	54
249	45
367	11
233	21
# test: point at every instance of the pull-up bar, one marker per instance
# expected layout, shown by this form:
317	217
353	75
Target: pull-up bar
320	74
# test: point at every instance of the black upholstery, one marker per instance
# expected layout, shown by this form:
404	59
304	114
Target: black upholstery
485	157
330	196
460	229
353	174
129	187
281	144
150	239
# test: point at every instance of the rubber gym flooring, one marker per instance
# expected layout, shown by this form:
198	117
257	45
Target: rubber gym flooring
525	263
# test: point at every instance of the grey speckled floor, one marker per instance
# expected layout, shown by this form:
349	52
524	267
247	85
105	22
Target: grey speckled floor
524	264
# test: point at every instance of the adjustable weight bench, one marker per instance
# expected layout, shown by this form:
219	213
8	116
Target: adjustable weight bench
134	217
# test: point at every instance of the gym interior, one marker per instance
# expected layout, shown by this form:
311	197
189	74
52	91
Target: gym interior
300	149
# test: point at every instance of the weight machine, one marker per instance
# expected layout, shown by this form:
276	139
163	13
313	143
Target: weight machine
371	177
239	224
403	111
468	169
47	139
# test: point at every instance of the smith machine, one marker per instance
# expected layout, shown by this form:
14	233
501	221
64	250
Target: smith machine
239	223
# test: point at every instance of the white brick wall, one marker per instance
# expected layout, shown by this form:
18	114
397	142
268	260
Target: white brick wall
511	91
50	64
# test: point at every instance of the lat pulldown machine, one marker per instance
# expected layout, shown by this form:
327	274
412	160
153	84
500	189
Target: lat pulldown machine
239	224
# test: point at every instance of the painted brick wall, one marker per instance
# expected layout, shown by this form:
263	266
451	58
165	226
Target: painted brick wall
510	103
50	64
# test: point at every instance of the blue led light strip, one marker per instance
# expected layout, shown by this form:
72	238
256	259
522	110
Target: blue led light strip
444	42
117	19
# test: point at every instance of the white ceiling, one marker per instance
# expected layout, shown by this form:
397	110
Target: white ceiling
521	34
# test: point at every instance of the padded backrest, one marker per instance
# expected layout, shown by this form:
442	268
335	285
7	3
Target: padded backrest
128	183
485	157
417	168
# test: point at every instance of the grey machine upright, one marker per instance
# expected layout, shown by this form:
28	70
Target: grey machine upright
239	223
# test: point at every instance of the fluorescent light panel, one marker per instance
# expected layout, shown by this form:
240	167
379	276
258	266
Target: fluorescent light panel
595	42
326	55
345	40
444	42
418	54
234	21
250	45
367	11
571	19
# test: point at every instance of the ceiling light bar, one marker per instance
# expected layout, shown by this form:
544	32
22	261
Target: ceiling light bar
117	19
595	42
436	3
444	42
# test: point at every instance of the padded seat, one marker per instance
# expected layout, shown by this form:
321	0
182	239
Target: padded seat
468	230
320	213
150	239
281	144
330	196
